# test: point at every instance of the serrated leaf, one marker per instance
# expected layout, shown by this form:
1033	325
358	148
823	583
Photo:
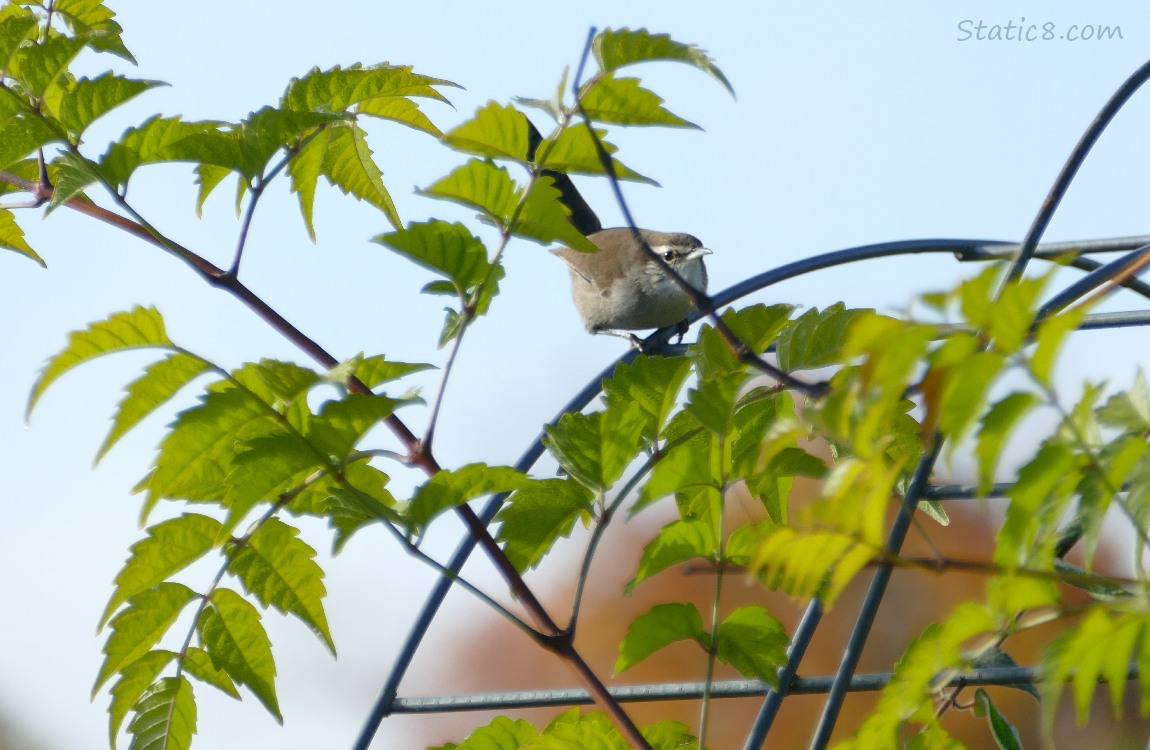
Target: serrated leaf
73	174
817	337
278	568
342	423
236	640
545	218
447	489
22	135
676	543
1013	313
361	499
652	383
596	448
536	515
1004	734
996	426
92	20
13	31
669	735
449	250
140	327
1129	409
965	393
623	101
497	131
140	626
150	143
12	237
615	48
169	547
481	185
658	628
159	383
134	680
573	151
753	642
376	370
691	465
712	402
348	164
340	88
1043	487
39	66
404	111
165	716
89	99
208	177
198	663
502	733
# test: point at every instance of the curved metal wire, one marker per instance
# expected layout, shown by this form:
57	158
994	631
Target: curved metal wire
963	250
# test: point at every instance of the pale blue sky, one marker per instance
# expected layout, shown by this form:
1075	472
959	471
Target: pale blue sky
853	124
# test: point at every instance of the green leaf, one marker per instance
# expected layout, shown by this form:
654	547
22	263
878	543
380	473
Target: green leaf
816	338
341	88
14	30
12	237
39	66
93	21
615	48
403	111
497	131
996	426
623	101
198	663
1043	487
502	733
20	136
481	185
676	543
754	643
208	176
536	515
688	466
658	628
362	498
169	547
375	370
348	164
965	393
652	383
278	569
140	327
200	450
448	250
134	680
165	716
447	489
73	174
140	626
572	151
1130	409
90	99
1049	337
159	383
1004	734
238	644
150	143
544	218
669	735
341	424
1013	313
596	448
712	402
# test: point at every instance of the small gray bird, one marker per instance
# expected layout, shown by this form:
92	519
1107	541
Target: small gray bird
621	288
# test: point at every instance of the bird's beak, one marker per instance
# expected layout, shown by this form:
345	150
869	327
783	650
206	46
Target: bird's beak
697	253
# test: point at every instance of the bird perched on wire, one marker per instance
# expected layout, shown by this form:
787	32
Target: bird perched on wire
622	288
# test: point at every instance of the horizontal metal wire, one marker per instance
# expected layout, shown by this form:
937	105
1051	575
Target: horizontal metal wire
1019	677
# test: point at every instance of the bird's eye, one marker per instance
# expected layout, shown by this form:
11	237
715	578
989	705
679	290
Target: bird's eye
668	255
